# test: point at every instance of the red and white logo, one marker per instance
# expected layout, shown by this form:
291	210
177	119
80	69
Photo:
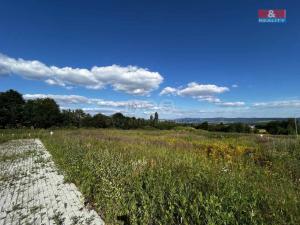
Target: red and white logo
271	15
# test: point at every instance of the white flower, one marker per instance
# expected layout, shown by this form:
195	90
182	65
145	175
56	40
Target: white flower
225	169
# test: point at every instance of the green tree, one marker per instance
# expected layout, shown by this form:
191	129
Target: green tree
155	117
79	115
101	121
87	121
11	110
67	117
118	120
204	125
73	117
42	113
151	117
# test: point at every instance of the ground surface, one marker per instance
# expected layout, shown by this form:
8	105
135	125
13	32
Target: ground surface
33	192
182	176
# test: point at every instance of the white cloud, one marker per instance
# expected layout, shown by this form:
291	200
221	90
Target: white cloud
235	86
95	110
129	79
137	104
169	91
64	100
96	105
107	111
196	90
279	104
210	99
202	92
60	99
232	104
167	109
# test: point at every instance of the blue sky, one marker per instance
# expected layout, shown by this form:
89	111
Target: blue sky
180	58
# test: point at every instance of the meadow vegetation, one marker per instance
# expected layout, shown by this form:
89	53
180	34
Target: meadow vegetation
182	176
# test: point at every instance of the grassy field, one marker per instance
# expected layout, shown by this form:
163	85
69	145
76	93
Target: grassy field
179	176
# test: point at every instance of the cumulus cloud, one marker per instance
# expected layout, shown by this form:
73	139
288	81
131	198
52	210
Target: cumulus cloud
195	90
77	99
60	99
132	107
202	92
129	79
169	91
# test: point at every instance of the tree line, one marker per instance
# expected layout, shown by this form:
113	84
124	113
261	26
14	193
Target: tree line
284	127
15	112
221	127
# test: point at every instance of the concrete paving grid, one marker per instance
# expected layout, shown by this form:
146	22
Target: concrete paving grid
32	191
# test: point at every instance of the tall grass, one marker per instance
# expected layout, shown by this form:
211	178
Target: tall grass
181	177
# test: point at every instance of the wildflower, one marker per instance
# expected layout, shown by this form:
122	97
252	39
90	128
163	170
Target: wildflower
225	169
51	133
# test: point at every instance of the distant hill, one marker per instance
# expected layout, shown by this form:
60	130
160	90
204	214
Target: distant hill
228	120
